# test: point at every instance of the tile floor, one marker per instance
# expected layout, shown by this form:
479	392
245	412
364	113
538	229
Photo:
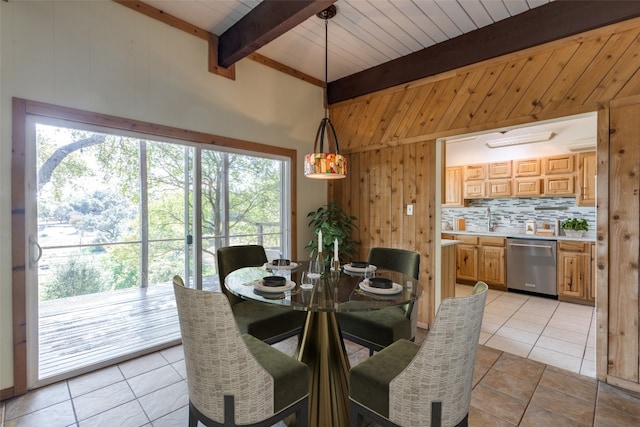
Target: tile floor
556	333
508	389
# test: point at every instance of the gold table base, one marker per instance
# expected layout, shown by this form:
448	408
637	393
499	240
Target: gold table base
322	349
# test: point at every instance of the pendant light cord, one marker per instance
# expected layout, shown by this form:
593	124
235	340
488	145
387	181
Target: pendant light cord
326	66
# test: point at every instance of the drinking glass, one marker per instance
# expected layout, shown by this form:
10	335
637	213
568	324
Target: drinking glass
315	269
305	281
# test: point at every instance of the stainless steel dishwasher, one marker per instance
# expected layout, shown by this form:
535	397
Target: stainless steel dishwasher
531	265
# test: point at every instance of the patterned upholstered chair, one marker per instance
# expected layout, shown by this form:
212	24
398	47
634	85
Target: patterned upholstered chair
380	328
429	384
234	379
270	323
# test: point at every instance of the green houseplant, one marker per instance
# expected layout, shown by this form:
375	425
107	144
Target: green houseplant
574	227
335	224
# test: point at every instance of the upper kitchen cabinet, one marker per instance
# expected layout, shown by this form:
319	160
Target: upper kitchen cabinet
586	192
475	172
556	165
526	167
453	186
499	170
558	185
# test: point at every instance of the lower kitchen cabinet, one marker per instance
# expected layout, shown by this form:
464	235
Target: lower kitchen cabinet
574	271
481	258
492	261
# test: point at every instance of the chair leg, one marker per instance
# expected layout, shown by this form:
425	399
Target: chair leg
436	414
193	420
370	352
302	414
355	416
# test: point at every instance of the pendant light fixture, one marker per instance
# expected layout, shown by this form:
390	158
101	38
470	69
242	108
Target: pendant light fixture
329	164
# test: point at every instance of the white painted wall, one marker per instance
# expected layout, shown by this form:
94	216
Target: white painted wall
101	56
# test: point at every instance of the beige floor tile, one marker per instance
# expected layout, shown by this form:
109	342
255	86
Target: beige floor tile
490	327
509	384
484	337
569	323
617	399
523	368
575	350
142	364
569	406
499	310
498	404
128	415
494	318
569	383
517	335
154	380
565	335
94	380
534	328
164	401
531	317
510	346
555	358
588	368
480	418
103	399
173	354
36	400
606	416
178	417
180	368
57	415
536	416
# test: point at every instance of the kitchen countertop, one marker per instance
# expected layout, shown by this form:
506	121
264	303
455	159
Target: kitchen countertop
448	242
511	233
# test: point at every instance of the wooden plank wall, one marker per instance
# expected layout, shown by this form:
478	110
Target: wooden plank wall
389	138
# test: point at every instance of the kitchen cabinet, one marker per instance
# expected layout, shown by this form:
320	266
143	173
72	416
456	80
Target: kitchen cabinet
473	189
499	188
481	258
475	172
558	185
492	261
586	191
562	164
526	187
526	167
453	186
574	270
467	259
499	170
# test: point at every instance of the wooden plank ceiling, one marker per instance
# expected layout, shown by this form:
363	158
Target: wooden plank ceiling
567	76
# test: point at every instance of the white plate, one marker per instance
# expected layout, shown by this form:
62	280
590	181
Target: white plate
274	289
394	289
348	267
306	286
270	266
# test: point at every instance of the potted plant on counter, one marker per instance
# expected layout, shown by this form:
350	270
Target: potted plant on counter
574	227
335	224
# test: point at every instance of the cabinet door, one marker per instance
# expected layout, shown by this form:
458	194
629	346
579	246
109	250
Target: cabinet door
492	265
453	186
592	281
586	192
559	164
500	188
467	262
526	186
573	274
473	189
475	172
526	167
558	185
500	170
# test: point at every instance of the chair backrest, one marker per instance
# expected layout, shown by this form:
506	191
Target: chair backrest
402	260
443	368
217	360
231	258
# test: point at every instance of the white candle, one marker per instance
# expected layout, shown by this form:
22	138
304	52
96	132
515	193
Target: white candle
320	241
335	249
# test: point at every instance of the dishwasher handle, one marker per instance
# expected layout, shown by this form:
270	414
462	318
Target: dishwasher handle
530	246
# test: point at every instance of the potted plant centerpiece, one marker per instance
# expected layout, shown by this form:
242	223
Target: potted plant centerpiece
574	227
334	223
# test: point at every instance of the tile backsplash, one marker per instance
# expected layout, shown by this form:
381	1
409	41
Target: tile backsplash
510	214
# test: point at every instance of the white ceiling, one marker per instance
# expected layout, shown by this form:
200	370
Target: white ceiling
363	34
575	130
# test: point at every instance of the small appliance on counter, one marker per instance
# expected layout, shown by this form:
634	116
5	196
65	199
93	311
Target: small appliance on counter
530	226
461	224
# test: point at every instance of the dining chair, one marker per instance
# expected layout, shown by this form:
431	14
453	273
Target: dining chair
234	379
429	384
269	322
380	328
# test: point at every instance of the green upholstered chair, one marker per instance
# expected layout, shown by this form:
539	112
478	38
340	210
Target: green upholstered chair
234	379
429	384
380	328
270	323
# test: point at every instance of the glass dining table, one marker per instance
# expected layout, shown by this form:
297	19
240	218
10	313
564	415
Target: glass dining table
320	345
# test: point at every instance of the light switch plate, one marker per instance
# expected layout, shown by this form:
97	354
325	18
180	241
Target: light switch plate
409	209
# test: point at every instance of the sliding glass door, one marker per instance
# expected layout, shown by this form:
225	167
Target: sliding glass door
113	216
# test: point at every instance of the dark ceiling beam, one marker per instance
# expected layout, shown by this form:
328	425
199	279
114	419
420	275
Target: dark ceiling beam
553	21
267	21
